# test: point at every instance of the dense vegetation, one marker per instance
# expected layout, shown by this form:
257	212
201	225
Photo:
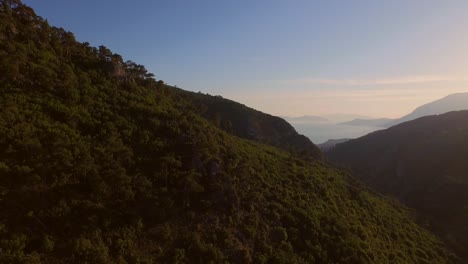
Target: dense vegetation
424	164
248	123
101	163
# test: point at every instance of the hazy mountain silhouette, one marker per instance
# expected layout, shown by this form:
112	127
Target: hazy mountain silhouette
342	117
305	119
380	122
453	102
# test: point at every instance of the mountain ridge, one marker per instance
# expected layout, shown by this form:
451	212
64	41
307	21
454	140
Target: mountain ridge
248	123
452	102
423	164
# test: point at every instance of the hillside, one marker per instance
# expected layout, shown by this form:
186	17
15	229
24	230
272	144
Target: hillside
423	164
331	143
102	163
248	123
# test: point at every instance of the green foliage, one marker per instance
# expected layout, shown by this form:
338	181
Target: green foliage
248	123
101	163
423	164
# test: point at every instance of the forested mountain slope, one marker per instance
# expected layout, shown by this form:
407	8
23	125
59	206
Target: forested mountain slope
424	164
101	163
245	122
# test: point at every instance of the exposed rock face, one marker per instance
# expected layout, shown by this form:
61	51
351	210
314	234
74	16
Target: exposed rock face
116	69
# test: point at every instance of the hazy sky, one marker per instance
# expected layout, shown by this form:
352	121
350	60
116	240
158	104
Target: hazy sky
287	57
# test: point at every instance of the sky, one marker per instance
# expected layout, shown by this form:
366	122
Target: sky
286	57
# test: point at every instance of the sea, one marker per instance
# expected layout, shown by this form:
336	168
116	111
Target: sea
322	131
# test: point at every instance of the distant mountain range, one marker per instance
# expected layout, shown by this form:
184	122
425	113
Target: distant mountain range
340	117
423	163
331	118
306	119
453	102
379	122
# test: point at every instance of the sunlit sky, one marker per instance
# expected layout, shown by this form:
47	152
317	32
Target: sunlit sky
288	58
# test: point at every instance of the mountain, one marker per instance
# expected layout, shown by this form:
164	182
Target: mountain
338	118
423	164
248	123
306	119
331	143
102	163
453	102
380	122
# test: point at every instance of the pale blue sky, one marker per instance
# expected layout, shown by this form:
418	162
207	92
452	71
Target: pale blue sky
378	58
